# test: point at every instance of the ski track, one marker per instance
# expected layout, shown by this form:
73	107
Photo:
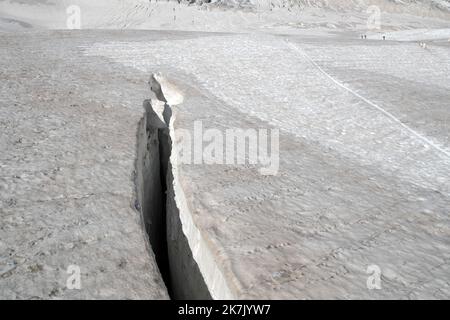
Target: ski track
294	97
387	113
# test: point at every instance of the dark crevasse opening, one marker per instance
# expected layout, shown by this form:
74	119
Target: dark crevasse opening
160	214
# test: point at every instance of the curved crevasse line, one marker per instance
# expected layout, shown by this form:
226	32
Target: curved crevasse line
213	275
185	261
150	194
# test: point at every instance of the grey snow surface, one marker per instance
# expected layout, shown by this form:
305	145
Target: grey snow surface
67	194
364	158
364	173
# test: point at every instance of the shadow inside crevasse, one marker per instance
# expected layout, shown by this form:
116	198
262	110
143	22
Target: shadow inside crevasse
159	210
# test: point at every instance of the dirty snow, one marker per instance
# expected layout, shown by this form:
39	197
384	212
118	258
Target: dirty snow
364	148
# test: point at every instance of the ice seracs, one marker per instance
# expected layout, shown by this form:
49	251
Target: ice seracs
165	93
165	90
